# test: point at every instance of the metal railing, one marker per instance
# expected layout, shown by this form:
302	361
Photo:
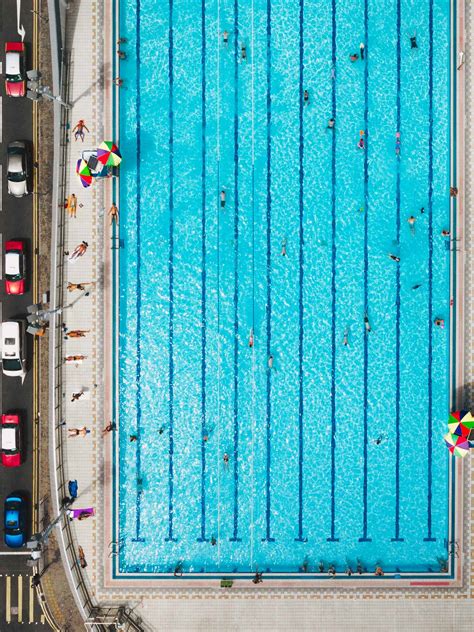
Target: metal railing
95	616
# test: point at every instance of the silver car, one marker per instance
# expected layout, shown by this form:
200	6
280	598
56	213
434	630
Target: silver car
17	168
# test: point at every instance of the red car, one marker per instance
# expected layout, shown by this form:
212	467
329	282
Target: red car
15	267
11	444
15	82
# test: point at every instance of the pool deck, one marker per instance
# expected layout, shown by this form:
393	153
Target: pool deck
274	605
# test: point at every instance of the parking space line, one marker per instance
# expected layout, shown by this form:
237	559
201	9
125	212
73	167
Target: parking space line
8	599
20	599
1	187
1	120
1	67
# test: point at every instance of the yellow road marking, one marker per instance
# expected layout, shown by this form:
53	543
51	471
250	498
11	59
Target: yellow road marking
8	599
20	599
31	612
43	619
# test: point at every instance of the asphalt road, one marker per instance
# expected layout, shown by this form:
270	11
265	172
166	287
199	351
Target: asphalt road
16	217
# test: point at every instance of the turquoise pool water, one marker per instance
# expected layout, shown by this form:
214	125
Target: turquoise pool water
306	478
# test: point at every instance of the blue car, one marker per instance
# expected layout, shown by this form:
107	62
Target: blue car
15	521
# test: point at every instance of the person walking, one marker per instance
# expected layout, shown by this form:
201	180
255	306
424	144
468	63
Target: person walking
114	214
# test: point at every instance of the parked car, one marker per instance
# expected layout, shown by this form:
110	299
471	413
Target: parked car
17	168
15	521
11	441
15	267
13	361
15	80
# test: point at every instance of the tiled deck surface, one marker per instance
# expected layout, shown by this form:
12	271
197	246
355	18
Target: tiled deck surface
267	609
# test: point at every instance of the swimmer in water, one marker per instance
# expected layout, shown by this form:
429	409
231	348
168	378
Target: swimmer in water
397	143
354	57
251	338
362	50
416	286
345	340
361	143
226	460
223	196
243	50
422	210
413	42
394	257
270	361
379	440
331	123
368	328
225	37
306	97
439	322
283	248
445	233
411	220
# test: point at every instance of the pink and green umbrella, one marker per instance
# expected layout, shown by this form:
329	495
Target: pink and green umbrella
459	446
109	154
461	422
84	173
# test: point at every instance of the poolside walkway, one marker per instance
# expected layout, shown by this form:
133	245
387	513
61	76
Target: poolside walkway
89	23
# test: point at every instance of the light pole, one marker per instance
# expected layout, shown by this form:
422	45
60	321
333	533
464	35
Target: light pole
36	90
35	543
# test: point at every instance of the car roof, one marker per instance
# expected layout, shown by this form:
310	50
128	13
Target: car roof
12	63
15	163
10	329
9	439
12	263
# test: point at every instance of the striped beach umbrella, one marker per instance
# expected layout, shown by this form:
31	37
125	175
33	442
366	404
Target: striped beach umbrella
109	154
459	446
84	173
461	422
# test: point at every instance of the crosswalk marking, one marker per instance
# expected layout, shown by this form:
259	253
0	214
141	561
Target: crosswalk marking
18	589
20	599
8	599
31	612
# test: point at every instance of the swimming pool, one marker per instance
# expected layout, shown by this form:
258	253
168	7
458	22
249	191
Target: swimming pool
335	452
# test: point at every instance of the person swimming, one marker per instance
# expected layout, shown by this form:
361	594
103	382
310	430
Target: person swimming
306	97
397	143
413	42
394	257
368	328
361	143
411	221
270	361
251	339
345	341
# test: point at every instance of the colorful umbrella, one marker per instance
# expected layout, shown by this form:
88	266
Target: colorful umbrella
84	173
457	445
461	422
108	154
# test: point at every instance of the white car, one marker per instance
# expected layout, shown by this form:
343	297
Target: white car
13	362
17	168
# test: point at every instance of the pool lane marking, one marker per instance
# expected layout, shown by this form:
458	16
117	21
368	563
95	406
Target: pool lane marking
202	537
268	537
300	537
364	537
235	536
218	288
333	538
430	537
138	369
170	536
397	537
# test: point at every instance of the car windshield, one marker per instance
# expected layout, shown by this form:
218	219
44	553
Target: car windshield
14	78
18	176
11	365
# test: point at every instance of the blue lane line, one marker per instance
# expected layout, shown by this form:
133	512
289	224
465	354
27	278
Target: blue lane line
203	538
430	537
235	537
138	368
364	537
397	326
171	289
333	287
268	537
300	537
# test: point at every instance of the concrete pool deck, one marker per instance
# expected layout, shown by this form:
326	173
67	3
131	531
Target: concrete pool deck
89	28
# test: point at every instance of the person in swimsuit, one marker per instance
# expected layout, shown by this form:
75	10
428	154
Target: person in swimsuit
411	221
114	214
345	341
361	143
394	257
78	130
362	50
354	57
368	328
222	197
306	97
77	333
413	42
225	37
